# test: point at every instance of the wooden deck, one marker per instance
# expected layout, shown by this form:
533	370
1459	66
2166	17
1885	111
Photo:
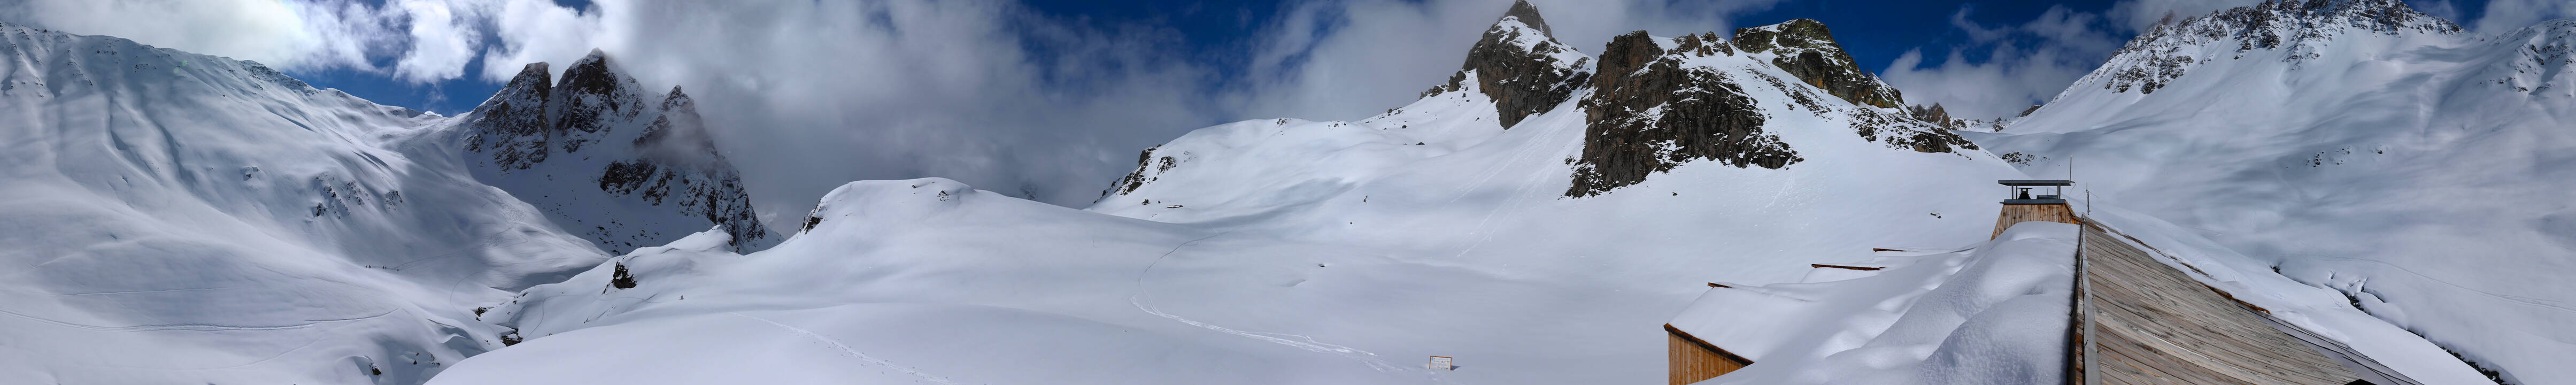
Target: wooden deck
2140	321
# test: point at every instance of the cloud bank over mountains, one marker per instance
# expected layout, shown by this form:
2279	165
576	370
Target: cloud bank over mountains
805	94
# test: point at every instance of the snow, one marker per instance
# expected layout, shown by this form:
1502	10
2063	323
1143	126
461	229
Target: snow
1991	313
181	218
1323	251
178	218
2420	173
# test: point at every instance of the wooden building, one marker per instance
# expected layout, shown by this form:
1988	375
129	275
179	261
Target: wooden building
1694	360
2137	318
2024	207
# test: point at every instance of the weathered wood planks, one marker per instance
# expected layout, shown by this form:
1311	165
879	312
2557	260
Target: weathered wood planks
2018	213
2151	324
1694	360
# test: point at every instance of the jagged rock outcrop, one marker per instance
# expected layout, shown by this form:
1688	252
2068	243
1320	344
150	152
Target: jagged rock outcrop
603	162
2165	52
1935	115
1520	66
512	126
1806	49
1899	132
1649	113
1146	167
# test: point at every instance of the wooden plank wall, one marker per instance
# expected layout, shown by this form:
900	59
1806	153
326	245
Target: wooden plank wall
2151	324
1695	361
2054	212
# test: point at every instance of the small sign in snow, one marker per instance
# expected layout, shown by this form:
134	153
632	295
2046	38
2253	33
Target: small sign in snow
1442	363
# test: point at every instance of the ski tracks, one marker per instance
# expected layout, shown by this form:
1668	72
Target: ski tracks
1308	343
846	350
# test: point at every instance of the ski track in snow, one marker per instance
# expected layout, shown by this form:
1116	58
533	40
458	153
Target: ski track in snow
846	350
2535	302
1310	344
136	291
1519	195
195	327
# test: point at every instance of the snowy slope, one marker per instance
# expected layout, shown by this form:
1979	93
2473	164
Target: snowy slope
181	218
1294	251
2357	146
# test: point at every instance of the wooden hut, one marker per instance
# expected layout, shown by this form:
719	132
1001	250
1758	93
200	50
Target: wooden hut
1695	360
2023	206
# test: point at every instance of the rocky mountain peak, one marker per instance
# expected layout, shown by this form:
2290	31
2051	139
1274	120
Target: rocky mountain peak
1649	113
2167	51
1528	14
633	153
1807	49
1520	66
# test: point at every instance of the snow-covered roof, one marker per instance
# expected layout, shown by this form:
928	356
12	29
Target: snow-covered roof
2006	299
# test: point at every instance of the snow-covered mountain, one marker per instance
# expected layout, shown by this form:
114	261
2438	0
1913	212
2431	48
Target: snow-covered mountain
182	218
2356	145
1296	251
604	161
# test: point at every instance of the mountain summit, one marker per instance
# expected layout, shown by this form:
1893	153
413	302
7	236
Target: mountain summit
596	156
1521	66
1804	47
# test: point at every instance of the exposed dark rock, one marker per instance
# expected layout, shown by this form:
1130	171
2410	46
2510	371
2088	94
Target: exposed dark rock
512	125
1806	49
589	97
1935	114
673	159
1144	167
625	177
2027	111
1519	66
622	279
1648	114
1900	132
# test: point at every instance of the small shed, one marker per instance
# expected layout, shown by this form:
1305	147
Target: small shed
2024	206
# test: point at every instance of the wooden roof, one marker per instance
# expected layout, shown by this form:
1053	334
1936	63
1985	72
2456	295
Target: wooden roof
2036	182
2141	321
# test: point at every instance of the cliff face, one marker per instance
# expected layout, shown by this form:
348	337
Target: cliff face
601	160
1520	66
1649	113
1807	49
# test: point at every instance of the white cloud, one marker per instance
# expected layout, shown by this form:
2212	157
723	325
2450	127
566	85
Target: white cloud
2134	16
2507	15
442	41
287	34
2025	63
